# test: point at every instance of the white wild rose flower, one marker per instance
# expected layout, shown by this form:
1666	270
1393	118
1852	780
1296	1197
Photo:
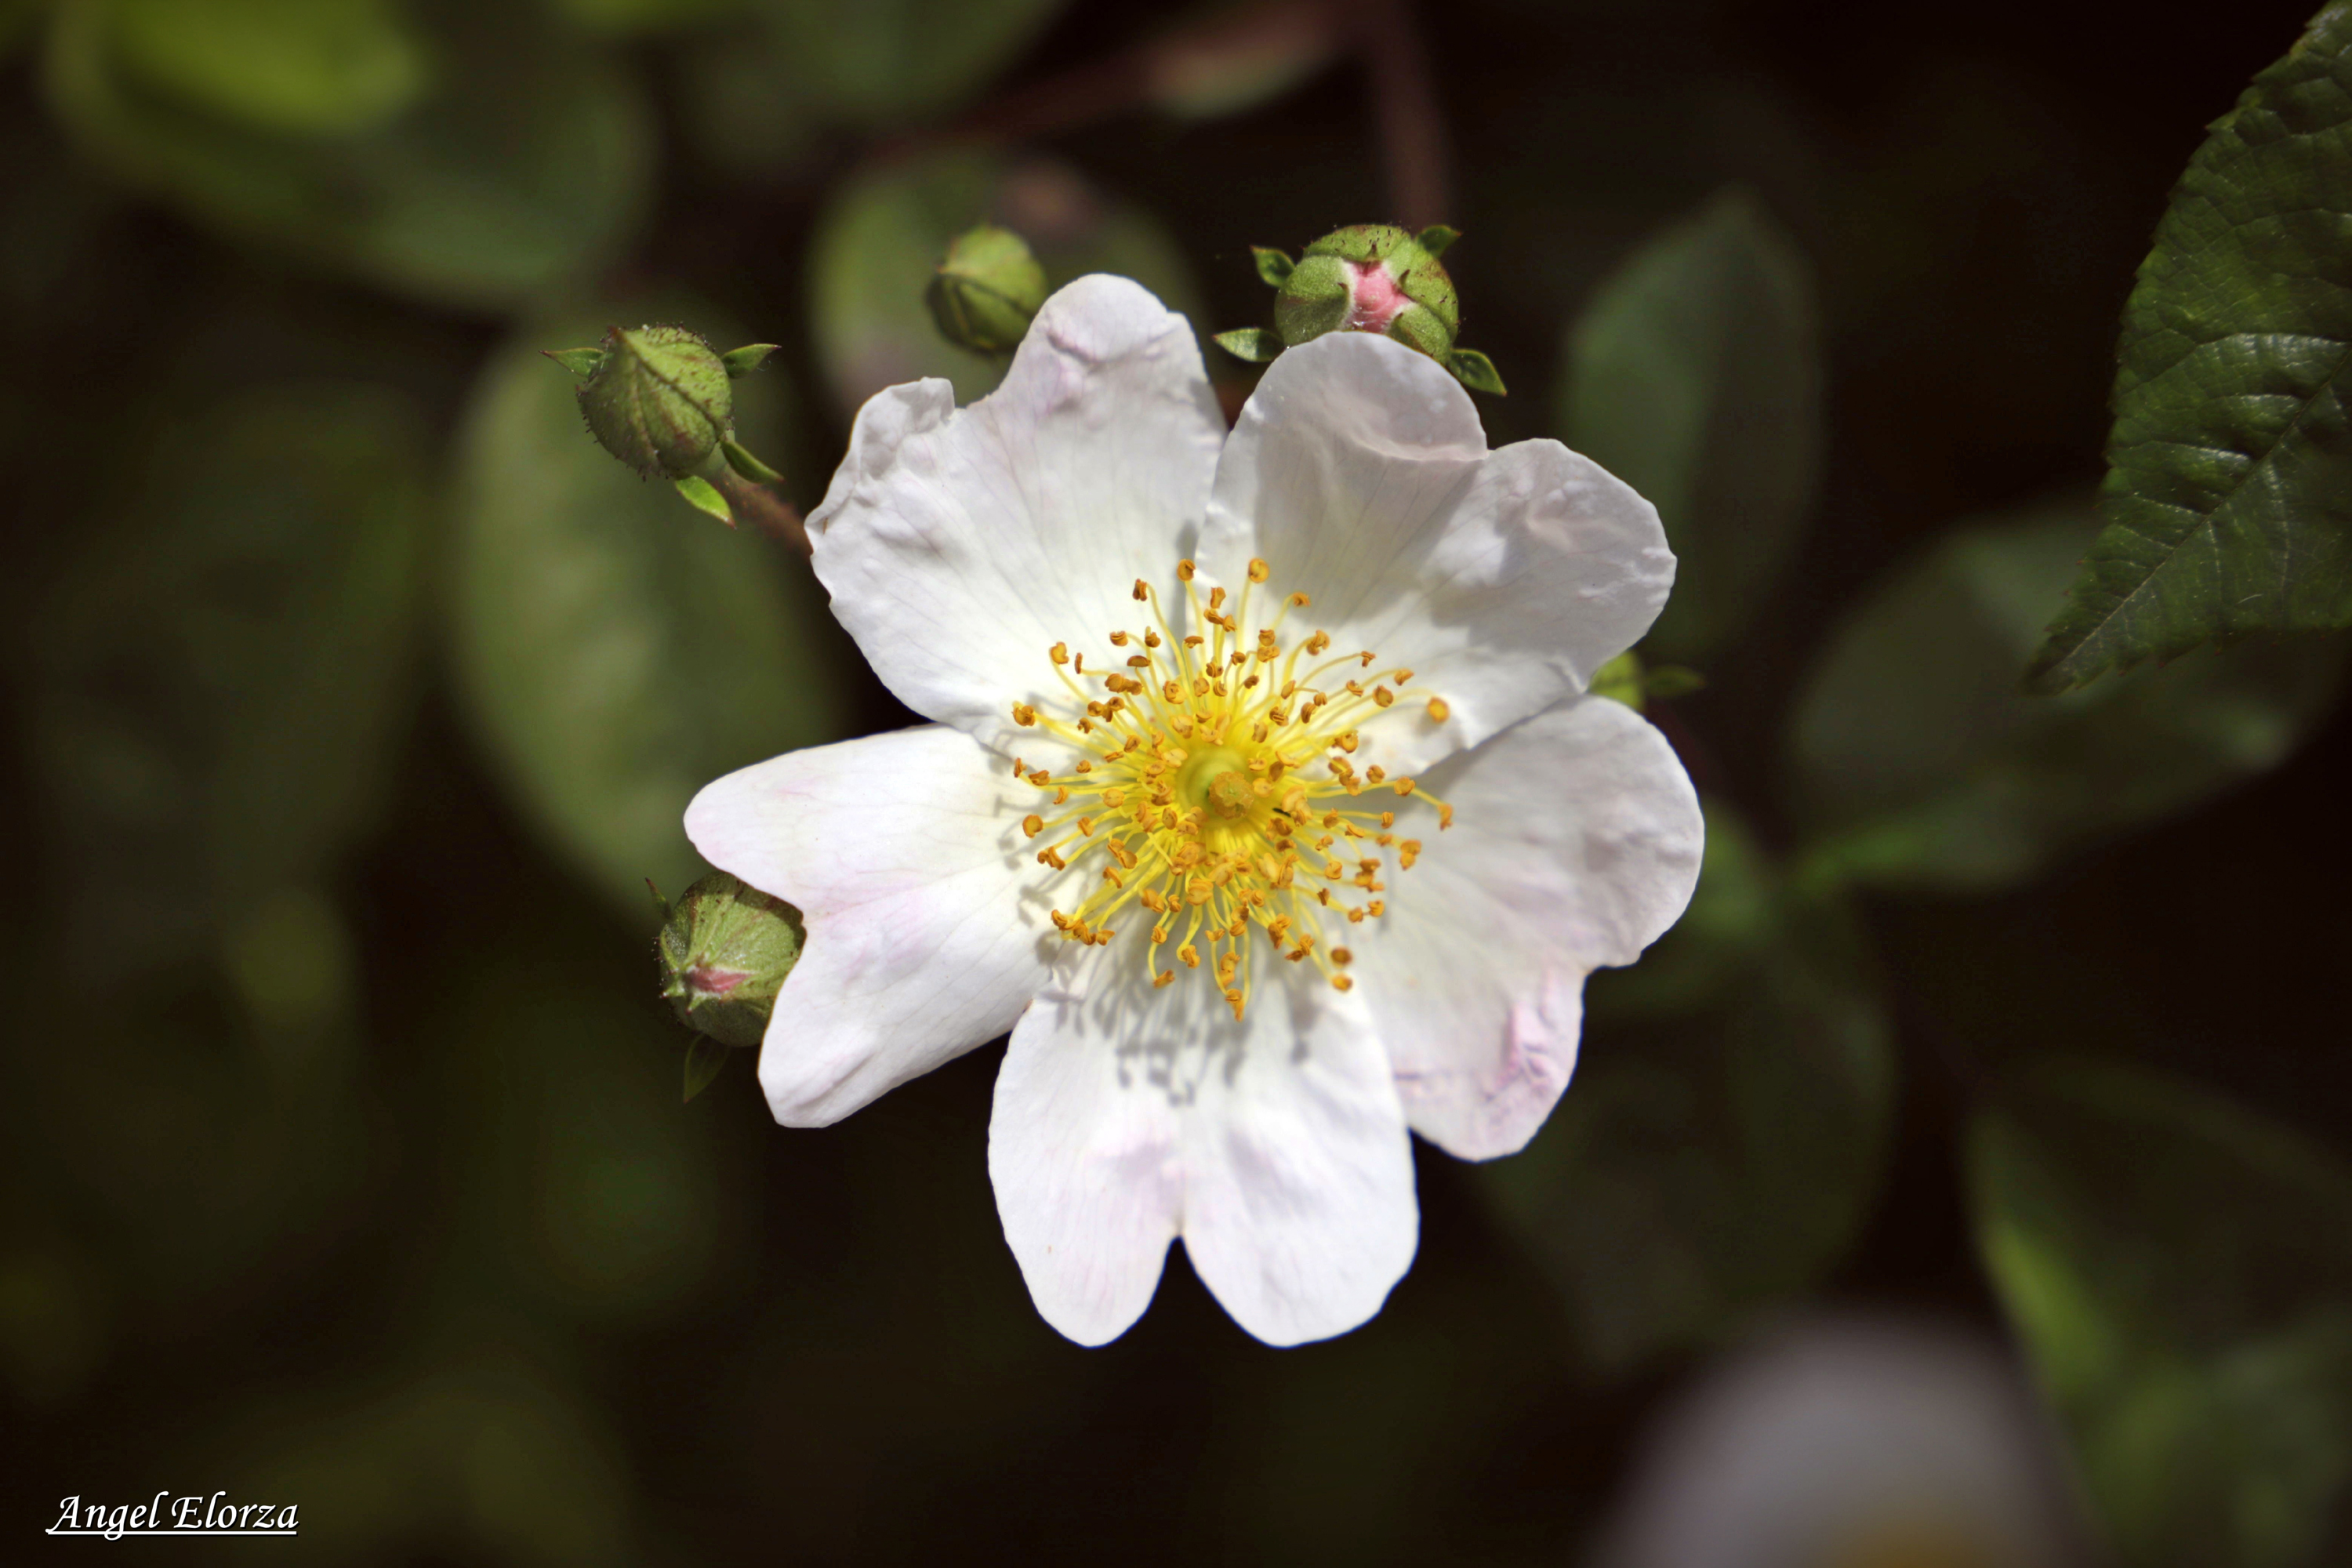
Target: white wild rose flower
1262	803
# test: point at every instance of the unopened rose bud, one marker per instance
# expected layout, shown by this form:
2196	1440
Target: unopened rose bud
658	398
726	948
1370	277
988	287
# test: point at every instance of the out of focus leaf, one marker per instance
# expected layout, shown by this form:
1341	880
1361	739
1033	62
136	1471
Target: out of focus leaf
879	60
218	683
616	651
1710	1161
1694	375
520	160
2180	1273
879	240
705	1058
304	67
2229	489
1917	762
651	16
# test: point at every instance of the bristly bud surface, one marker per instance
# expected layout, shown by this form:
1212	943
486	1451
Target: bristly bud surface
725	951
659	401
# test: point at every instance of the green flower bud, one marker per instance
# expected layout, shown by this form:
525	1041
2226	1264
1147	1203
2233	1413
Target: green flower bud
725	951
987	289
658	400
1372	277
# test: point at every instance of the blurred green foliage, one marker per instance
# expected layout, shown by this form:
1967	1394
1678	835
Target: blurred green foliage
223	673
357	694
1694	374
2180	1271
1917	762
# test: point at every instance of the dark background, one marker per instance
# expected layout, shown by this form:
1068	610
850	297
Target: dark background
831	1356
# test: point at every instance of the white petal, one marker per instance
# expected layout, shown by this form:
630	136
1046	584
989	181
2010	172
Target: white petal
901	853
1359	473
1575	844
961	546
1274	1147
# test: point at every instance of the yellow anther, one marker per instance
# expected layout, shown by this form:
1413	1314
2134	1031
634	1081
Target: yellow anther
1085	766
1318	642
1376	909
1142	593
1061	653
1184	571
1161	977
1197	890
1404	786
1375	773
1300	601
1023	715
1347	743
1341	955
1139	662
1062	795
1216	598
1047	857
1383	696
1041	778
1151	640
1079	664
1189	955
1368	656
1257	570
1342	983
1118	640
1033	825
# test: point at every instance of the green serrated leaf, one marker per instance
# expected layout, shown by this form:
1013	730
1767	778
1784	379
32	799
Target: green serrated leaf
1917	762
613	656
1694	377
703	495
1437	237
2179	1273
1724	1150
2228	489
581	362
1273	266
1255	345
742	362
704	1059
1474	371
750	466
878	246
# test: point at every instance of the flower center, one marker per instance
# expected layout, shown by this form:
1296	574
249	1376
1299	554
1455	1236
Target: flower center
1214	777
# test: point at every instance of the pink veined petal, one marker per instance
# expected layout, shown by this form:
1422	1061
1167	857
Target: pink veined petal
902	853
1275	1148
1575	844
959	546
1358	472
